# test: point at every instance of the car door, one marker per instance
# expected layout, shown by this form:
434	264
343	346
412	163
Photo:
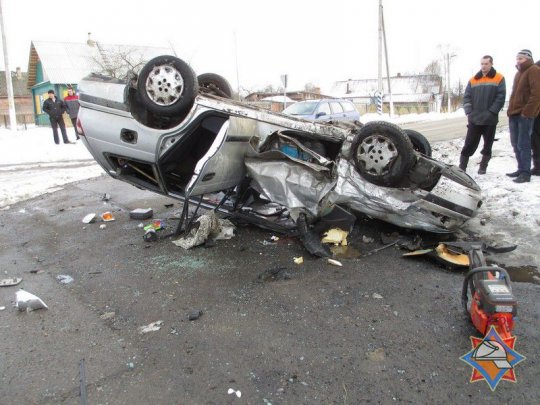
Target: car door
323	112
351	113
222	166
337	111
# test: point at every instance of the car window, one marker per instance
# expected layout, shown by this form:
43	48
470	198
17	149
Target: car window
348	107
336	107
324	107
301	108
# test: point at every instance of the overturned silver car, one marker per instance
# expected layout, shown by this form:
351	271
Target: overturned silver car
169	131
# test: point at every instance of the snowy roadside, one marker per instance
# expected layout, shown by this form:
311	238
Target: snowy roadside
31	165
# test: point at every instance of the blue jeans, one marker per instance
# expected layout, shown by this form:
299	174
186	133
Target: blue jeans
520	137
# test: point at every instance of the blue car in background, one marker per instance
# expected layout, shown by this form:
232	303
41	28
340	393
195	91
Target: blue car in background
324	110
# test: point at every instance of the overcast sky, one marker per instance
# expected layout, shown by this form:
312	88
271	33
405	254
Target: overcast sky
311	41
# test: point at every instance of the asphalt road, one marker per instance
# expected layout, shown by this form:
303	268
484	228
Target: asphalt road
445	130
380	329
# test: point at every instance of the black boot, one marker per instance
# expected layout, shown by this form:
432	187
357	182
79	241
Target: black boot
513	174
523	178
463	161
483	164
536	169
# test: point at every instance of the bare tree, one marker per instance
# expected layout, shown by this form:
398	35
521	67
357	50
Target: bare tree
434	68
117	61
310	87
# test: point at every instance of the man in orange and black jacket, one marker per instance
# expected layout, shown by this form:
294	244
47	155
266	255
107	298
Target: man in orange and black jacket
483	99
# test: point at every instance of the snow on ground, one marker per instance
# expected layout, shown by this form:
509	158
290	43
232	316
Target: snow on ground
31	165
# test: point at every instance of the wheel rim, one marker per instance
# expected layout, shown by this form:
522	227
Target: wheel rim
376	153
164	85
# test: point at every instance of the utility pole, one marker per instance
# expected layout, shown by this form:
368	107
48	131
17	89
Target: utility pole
9	84
380	85
448	57
236	57
387	68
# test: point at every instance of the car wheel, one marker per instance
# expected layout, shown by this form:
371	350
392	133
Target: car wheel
383	154
167	86
214	84
419	142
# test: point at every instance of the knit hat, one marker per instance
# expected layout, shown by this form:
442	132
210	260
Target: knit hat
525	52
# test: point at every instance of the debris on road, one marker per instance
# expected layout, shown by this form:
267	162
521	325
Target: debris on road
298	260
156	225
377	296
108	315
141	213
443	254
102	226
107	216
105	197
2	308
152	327
194	315
89	219
232	391
25	301
336	236
8	282
335	262
367	239
207	226
64	278
274	274
150	235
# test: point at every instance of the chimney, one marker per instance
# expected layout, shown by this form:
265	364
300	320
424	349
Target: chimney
18	72
399	75
90	41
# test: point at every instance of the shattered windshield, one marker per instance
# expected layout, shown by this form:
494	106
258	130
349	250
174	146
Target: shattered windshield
302	108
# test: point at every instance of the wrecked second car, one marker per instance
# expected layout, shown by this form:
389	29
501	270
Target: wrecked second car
169	131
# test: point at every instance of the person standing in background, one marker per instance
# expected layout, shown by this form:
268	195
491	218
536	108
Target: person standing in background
55	108
483	99
523	108
72	103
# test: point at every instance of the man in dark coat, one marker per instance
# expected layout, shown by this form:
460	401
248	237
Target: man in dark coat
523	108
483	99
535	143
54	107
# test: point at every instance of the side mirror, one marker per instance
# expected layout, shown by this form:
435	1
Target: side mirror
320	114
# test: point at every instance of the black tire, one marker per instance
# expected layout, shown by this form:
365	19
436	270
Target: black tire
383	154
167	86
214	84
419	142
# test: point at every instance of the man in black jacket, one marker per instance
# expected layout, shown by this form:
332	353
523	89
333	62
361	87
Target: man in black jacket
483	99
54	107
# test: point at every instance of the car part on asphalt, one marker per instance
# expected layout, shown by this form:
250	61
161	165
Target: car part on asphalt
25	301
194	315
493	303
9	282
89	218
191	145
141	213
